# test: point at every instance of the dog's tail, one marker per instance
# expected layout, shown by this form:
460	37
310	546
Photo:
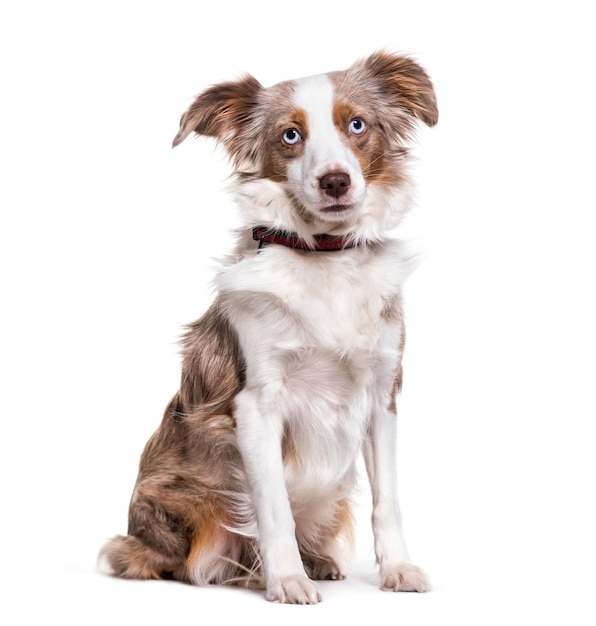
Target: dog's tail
236	562
128	557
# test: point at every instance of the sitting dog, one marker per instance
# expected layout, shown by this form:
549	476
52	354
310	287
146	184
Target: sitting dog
296	366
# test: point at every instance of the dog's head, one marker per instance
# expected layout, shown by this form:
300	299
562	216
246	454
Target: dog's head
325	153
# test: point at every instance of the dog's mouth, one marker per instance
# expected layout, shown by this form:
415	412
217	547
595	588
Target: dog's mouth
336	208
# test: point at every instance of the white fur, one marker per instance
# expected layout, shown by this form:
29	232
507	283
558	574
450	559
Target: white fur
320	360
324	150
296	363
320	357
377	209
264	201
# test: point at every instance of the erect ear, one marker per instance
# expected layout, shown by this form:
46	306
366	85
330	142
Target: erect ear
220	110
407	83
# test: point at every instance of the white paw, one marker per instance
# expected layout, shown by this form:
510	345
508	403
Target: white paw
404	577
294	590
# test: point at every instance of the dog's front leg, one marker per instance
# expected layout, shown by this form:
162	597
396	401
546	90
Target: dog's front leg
397	573
259	435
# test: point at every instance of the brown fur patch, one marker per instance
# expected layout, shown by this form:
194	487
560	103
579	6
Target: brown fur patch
393	312
131	558
220	112
216	554
212	366
275	162
288	448
405	84
190	468
368	147
344	521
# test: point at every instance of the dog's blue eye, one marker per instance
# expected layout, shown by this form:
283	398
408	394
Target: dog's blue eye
291	136
357	126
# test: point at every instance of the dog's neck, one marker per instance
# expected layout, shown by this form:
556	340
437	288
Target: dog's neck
321	243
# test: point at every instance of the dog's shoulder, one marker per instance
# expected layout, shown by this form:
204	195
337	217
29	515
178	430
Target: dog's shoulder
340	300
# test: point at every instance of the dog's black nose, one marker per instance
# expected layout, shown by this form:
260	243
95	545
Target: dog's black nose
335	184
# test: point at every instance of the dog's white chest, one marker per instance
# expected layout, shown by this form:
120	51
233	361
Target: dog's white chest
321	344
334	301
317	319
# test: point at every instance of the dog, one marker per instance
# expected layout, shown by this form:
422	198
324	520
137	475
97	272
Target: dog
295	367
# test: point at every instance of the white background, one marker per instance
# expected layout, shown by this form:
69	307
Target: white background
107	237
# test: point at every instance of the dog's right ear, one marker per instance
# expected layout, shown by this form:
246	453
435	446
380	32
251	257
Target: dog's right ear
220	111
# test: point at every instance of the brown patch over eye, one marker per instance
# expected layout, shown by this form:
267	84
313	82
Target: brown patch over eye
367	145
286	142
343	114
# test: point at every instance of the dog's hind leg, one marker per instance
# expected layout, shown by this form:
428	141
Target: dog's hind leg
328	557
188	541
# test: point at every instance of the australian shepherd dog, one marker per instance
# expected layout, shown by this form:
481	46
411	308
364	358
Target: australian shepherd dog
295	367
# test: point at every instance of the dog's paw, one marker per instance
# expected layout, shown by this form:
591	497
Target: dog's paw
322	569
404	577
294	590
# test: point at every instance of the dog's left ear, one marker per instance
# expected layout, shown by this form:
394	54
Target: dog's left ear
407	83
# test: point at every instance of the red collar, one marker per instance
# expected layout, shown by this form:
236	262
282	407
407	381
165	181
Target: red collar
323	243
